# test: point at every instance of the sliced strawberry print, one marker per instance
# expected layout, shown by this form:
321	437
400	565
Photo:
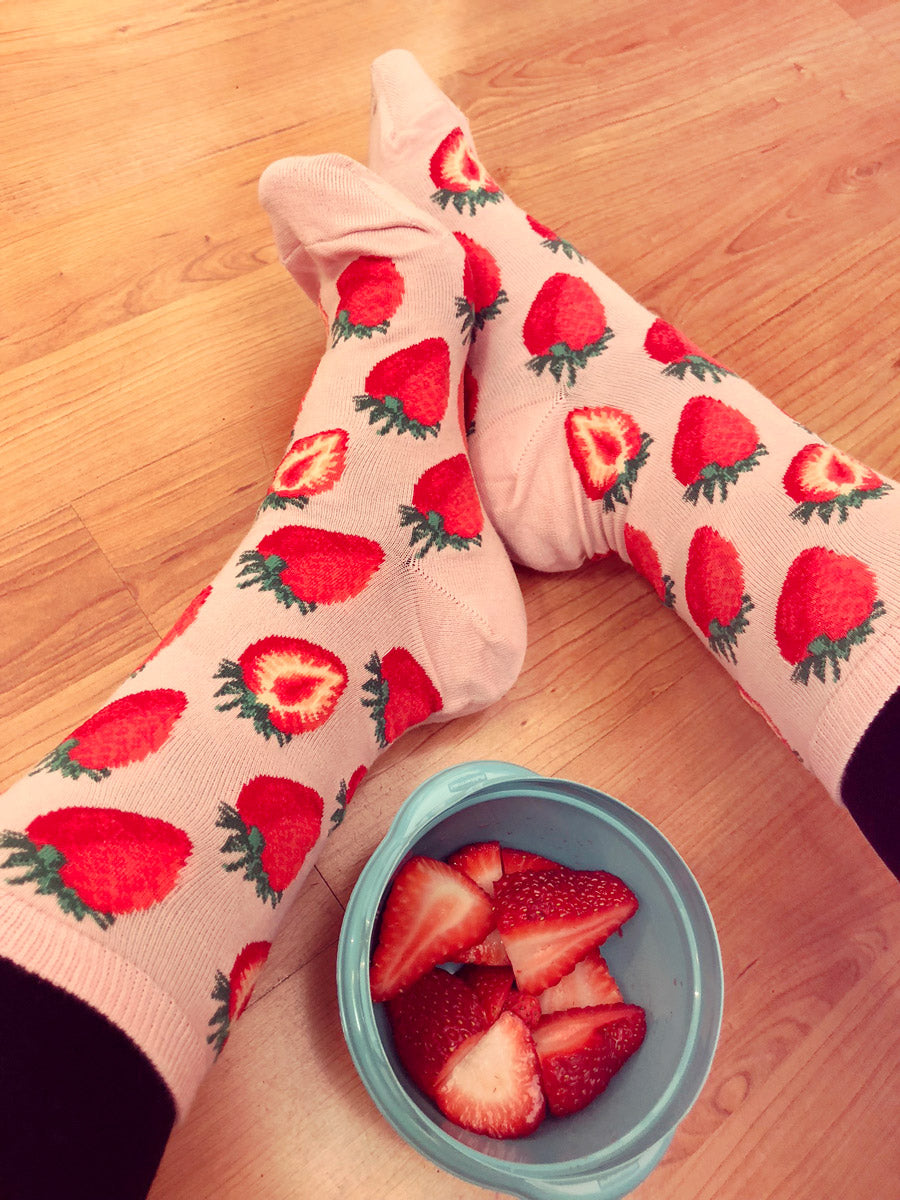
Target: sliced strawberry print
284	685
714	445
98	862
187	618
823	481
548	920
470	399
643	557
432	912
445	512
491	986
580	1050
399	694
588	983
459	177
607	449
125	731
233	991
826	607
565	326
369	291
666	345
346	792
272	826
433	1024
312	464
409	390
714	591
482	294
307	567
552	241
480	861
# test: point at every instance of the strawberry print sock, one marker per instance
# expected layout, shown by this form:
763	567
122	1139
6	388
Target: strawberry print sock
148	859
594	426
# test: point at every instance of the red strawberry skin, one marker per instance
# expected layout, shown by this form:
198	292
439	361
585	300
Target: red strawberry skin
514	860
448	488
714	580
418	376
127	730
581	1049
710	432
481	861
369	290
566	311
322	566
411	695
491	986
431	1023
289	817
824	593
116	861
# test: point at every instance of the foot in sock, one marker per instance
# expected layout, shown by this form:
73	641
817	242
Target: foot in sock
596	426
151	856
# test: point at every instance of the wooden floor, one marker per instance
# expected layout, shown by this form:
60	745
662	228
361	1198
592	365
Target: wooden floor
733	163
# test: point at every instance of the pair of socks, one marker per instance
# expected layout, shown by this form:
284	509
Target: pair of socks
485	392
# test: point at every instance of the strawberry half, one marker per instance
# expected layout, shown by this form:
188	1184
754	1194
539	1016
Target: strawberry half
548	920
123	732
409	390
272	827
481	861
552	241
306	567
823	481
369	293
643	557
714	591
445	512
491	986
826	607
459	177
187	618
432	913
495	1088
607	450
714	445
588	983
433	1023
98	862
400	694
666	345
580	1050
311	465
346	792
565	326
284	685
482	294
233	991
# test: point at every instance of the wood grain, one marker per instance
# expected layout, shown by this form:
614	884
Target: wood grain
734	165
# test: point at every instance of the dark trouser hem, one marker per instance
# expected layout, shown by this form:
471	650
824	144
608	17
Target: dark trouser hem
870	787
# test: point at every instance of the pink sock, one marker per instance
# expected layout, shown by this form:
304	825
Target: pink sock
151	856
597	427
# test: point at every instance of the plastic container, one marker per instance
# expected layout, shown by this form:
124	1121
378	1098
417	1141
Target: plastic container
667	960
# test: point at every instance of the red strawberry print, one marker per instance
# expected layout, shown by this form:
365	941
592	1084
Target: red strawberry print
552	241
470	399
312	464
482	293
565	326
643	557
233	991
666	345
607	449
409	390
284	685
400	694
445	512
123	732
459	177
580	1050
272	826
307	567
714	591
826	607
432	912
433	1023
714	445
186	619
823	481
346	792
369	293
98	862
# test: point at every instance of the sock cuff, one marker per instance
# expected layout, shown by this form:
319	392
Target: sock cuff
112	986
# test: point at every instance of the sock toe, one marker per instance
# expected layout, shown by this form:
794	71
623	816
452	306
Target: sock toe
404	101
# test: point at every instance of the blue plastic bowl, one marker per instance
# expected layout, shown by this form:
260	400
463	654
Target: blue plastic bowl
667	960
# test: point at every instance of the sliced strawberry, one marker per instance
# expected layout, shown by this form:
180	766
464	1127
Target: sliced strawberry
607	449
581	1049
588	983
460	178
433	1022
491	985
489	953
525	1007
548	920
433	913
495	1088
345	795
825	482
480	861
523	860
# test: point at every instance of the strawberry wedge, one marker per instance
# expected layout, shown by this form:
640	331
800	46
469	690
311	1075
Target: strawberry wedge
549	920
582	1048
